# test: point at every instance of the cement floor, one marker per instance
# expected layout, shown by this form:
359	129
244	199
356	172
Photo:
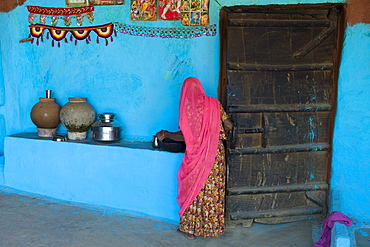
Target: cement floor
360	236
32	220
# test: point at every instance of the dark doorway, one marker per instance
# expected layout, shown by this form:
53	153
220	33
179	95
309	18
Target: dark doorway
279	83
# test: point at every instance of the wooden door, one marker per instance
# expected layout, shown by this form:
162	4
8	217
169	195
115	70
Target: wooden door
279	73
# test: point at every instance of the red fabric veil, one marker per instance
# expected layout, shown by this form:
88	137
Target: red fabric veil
200	125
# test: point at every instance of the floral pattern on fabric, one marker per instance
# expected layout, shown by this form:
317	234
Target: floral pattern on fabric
205	216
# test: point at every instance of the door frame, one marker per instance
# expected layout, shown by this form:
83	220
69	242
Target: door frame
337	58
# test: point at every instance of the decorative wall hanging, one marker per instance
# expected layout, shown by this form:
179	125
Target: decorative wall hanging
183	33
43	13
78	33
169	9
77	2
194	12
143	10
105	2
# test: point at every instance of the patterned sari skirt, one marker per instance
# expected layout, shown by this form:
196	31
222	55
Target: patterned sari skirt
206	215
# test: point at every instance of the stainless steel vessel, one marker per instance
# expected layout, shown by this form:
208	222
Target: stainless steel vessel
106	129
59	138
155	142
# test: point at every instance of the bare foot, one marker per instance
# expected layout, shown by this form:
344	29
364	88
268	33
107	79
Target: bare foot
186	235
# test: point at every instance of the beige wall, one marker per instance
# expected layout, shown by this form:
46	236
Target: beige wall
358	11
8	5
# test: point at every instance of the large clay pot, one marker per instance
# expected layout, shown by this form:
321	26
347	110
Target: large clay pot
45	115
77	116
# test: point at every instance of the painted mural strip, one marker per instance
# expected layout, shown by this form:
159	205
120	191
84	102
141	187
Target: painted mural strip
105	2
143	10
169	9
44	13
183	33
78	33
194	12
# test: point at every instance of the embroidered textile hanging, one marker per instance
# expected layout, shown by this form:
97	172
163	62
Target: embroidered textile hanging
194	12
183	33
43	13
143	10
78	33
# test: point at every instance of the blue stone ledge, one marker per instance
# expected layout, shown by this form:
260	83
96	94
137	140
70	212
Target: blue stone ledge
130	176
340	236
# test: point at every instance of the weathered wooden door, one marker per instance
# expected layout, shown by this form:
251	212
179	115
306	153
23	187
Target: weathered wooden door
279	85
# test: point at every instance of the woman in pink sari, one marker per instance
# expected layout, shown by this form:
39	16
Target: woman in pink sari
201	177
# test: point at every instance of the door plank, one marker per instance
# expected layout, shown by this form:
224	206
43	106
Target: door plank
314	43
280	188
282	149
286	219
279	88
275	213
278	23
279	108
253	203
264	170
279	67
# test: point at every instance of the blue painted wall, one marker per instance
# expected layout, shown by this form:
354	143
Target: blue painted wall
2	121
351	162
139	79
2	89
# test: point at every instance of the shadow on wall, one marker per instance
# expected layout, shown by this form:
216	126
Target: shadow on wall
2	102
2	180
2	134
2	128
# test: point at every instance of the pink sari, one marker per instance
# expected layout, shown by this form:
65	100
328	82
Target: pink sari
200	125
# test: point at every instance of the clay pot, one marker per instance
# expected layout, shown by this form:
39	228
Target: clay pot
45	115
77	116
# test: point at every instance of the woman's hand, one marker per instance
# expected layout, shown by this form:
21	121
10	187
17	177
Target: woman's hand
176	136
161	134
228	125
